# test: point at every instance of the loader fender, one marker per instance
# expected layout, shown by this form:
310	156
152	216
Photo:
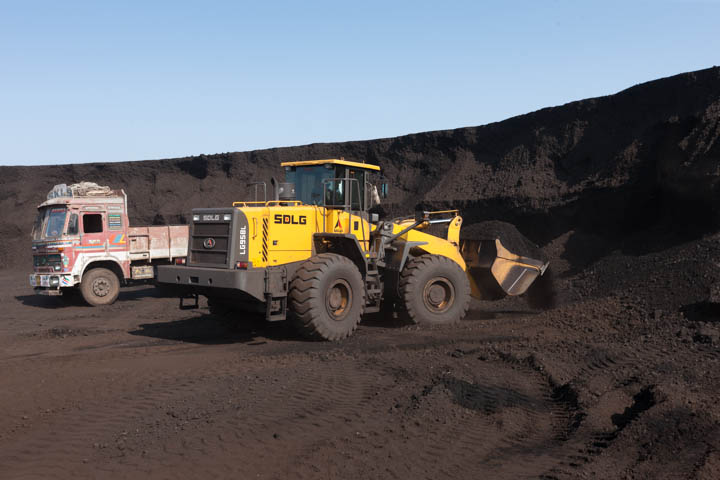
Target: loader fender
342	244
396	263
400	255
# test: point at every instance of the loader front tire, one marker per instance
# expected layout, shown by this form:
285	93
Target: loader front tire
100	286
327	297
433	290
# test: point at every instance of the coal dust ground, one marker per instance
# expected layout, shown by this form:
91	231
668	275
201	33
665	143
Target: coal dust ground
617	381
612	370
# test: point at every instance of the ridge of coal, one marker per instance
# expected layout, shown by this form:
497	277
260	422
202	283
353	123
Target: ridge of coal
639	164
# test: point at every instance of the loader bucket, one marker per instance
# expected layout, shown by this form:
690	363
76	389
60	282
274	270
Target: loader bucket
495	272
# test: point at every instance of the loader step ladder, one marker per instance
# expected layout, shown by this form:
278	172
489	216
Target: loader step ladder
373	289
276	290
275	308
190	306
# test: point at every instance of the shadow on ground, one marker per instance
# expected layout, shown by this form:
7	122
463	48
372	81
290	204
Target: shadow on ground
702	312
74	299
210	329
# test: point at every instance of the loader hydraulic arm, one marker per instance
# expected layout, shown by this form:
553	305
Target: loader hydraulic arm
423	220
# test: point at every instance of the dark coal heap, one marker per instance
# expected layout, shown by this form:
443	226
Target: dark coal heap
635	171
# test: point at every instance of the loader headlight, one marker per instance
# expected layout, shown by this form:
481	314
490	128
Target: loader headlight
227	217
54	281
196	218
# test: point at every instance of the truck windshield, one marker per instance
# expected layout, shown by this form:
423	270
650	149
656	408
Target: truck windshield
49	223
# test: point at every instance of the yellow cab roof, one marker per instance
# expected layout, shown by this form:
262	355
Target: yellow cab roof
335	161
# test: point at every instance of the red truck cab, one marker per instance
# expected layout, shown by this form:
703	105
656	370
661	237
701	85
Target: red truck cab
82	241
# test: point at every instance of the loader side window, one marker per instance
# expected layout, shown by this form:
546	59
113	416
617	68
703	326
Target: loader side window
335	192
92	223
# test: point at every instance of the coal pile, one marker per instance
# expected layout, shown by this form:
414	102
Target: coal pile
509	236
641	159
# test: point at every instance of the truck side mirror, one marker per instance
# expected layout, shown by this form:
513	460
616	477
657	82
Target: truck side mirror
383	190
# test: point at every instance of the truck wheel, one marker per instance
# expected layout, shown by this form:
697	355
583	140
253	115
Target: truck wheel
100	286
433	290
327	297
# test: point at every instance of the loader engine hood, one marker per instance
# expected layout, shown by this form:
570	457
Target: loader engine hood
219	237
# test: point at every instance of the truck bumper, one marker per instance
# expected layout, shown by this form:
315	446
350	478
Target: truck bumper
52	281
214	281
53	292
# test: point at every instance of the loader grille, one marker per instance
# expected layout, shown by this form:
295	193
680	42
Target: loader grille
209	243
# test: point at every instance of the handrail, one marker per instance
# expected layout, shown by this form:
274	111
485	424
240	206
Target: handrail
255	185
427	215
267	204
438	212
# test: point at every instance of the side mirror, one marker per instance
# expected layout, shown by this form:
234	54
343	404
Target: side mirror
383	190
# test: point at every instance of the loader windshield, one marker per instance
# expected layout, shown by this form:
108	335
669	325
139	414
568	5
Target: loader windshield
309	182
328	185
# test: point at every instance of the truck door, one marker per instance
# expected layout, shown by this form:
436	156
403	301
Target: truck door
93	236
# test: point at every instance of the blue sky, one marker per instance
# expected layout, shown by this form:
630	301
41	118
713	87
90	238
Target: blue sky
117	81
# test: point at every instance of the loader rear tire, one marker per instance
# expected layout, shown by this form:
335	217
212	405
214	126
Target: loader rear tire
100	286
327	297
433	290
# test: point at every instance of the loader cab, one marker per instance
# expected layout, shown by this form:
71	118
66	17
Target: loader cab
332	183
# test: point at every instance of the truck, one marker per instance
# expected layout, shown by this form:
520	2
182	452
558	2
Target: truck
82	243
316	254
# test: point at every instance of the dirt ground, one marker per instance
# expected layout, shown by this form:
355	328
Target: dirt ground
617	381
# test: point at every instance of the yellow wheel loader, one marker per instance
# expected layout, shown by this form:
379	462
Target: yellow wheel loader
316	255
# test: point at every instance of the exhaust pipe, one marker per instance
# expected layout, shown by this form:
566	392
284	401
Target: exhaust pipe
275	189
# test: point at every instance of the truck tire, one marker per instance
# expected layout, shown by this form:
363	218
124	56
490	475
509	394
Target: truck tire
433	290
100	286
327	297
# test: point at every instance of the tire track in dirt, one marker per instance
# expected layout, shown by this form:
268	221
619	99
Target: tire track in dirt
131	392
388	403
318	406
510	418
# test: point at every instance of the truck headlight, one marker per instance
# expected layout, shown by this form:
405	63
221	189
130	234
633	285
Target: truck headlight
227	217
54	281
